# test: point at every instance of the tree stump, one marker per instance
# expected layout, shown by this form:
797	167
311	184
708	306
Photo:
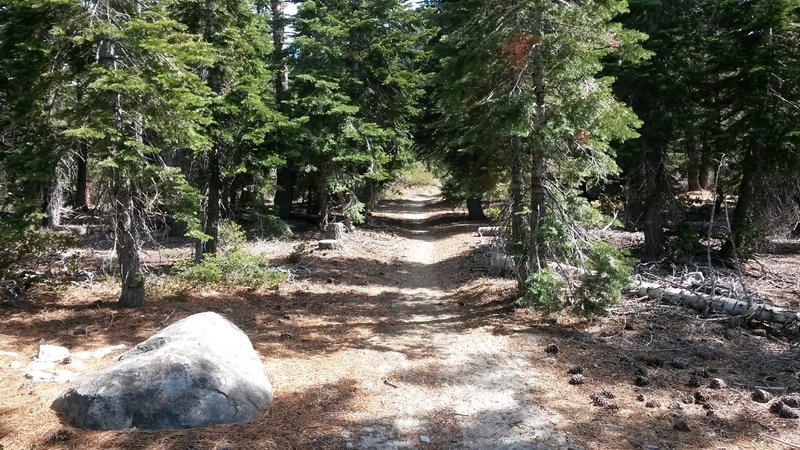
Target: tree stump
329	244
334	231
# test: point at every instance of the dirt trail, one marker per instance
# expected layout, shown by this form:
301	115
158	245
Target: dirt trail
468	388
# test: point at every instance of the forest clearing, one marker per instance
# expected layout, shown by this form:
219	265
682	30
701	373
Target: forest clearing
403	336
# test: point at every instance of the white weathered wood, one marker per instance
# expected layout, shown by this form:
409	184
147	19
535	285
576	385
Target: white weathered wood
329	244
490	231
716	303
334	231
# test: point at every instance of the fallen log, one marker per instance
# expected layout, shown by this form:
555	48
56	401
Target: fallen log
717	303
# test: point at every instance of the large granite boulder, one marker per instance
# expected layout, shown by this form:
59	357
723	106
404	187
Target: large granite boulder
196	372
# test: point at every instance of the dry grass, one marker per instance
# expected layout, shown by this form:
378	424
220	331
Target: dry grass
326	373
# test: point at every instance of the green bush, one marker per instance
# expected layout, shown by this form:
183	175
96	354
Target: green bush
608	272
23	246
231	236
236	267
543	291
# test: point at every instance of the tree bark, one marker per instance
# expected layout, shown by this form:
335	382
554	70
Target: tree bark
517	195
212	213
657	186
53	198
287	175
708	169
694	165
126	230
743	216
705	302
81	199
475	208
126	221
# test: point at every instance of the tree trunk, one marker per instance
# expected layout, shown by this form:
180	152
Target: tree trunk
517	195
53	199
536	258
286	175
657	186
334	231
126	230
694	166
212	215
475	208
81	200
126	221
744	215
716	303
708	169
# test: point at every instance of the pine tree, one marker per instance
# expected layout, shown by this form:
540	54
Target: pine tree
357	82
523	86
141	99
242	108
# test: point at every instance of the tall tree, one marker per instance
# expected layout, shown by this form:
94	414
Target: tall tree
142	97
356	79
520	87
243	106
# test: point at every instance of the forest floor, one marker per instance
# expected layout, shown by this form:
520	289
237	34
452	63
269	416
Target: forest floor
403	340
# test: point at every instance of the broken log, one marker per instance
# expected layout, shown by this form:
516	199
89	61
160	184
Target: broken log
717	303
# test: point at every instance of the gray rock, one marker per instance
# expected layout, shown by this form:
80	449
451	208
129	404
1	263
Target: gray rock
51	376
52	353
197	372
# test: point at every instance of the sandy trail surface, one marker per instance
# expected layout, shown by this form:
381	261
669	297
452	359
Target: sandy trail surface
430	378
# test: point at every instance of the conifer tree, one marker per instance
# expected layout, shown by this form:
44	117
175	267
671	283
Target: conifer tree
522	83
357	82
242	106
142	98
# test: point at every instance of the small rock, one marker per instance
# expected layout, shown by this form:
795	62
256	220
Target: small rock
784	411
652	404
702	372
425	439
717	383
688	399
680	363
286	336
641	397
552	348
52	353
641	380
761	396
349	446
693	382
56	376
577	379
288	316
330	280
575	370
